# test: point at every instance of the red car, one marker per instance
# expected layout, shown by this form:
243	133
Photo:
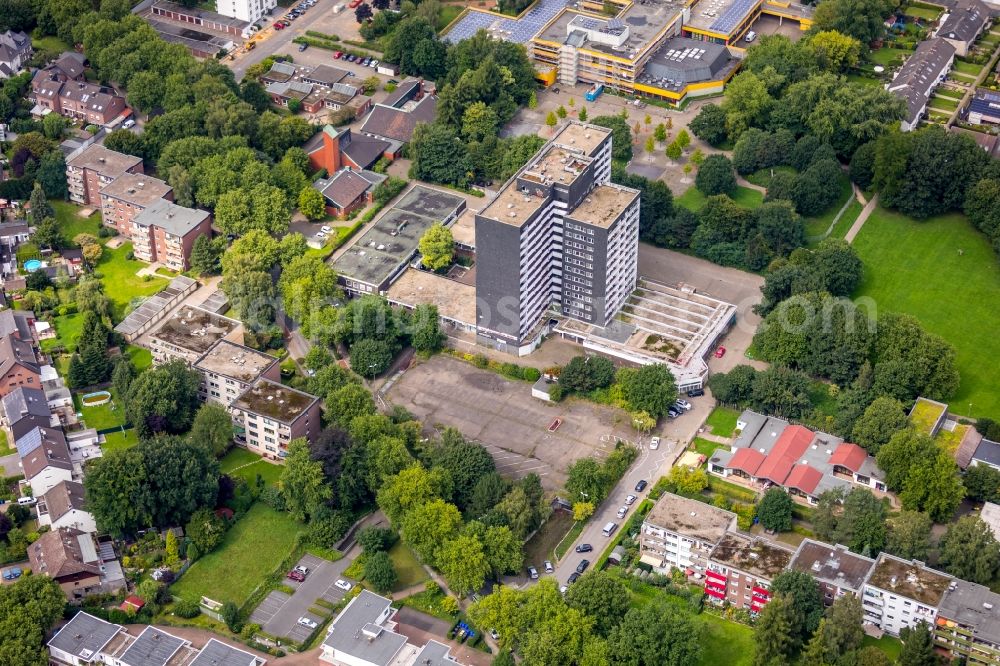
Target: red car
337	55
296	575
720	352
278	26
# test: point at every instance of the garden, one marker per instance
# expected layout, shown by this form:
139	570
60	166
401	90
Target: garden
110	414
694	199
243	464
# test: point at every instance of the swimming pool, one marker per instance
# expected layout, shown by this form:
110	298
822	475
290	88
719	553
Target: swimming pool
32	265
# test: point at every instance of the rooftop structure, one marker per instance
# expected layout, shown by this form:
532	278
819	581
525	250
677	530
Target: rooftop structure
964	21
275	401
137	189
455	301
990	514
235	361
64	553
835	566
62	498
919	76
194	330
683	61
153	647
217	653
83	637
174	219
755	556
690	518
106	162
360	634
972	607
912	580
397	124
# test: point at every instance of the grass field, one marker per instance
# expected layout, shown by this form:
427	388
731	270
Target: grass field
923	13
120	440
104	416
409	571
722	420
68	329
141	358
864	80
917	268
763	177
705	447
889	645
943	103
448	14
967	67
543	544
72	224
888	56
5	447
250	465
725	642
120	280
250	551
816	226
694	200
843	224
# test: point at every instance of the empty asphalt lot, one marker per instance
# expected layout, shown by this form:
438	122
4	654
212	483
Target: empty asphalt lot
501	414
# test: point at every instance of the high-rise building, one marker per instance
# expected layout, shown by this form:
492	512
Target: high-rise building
245	10
560	234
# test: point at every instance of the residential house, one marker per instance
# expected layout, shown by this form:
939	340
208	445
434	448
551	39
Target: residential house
64	505
25	408
272	415
128	195
900	594
19	365
963	24
165	232
312	97
95	168
916	80
397	116
984	108
968	623
741	568
69	557
324	75
837	570
15	52
87	640
987	453
12	235
334	149
19	323
770	452
189	332
364	634
228	370
280	72
680	533
348	190
45	459
81	100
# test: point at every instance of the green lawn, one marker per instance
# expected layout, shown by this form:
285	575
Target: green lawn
722	420
864	80
922	13
943	103
725	642
409	572
120	440
68	329
844	223
120	280
5	447
72	224
101	417
962	78
888	56
763	177
141	358
250	465
251	550
694	200
917	268
818	225
705	447
447	15
890	645
970	68
50	43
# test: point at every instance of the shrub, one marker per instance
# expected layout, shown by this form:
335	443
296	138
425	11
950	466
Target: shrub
531	374
186	609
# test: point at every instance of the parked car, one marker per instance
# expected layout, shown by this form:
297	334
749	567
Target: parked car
306	622
373	64
295	575
278	25
639	487
630	500
326	230
128	124
622	511
532	573
343	584
696	393
494	634
338	55
12	574
301	569
303	47
673	412
654	443
584	548
573	577
720	352
548	567
683	404
582	566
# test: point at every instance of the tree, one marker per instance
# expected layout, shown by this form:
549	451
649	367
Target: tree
466	462
171	552
715	176
860	19
307	284
49	234
425	329
601	596
163	399
909	535
206	255
39	206
805	598
180	479
370	357
503	551
918	647
651	145
551	120
587	373
621	136
660	132
747	103
651	389
586	479
205	530
673	150
440	156
775	633
116	491
302	482
969	551
429	525
982	483
775	510
861	527
213	428
363	13
463	564
880	421
582	510
655	635
840	633
28	610
379	571
932	484
583	114
437	247
688	481
311	203
709	125
835	52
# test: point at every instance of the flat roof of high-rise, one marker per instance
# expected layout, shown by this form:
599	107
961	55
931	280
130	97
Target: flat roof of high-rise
194	329
912	580
235	361
582	136
690	518
604	205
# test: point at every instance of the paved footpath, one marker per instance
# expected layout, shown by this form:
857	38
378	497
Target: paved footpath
862	218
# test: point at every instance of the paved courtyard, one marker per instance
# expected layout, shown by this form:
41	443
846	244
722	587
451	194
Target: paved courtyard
502	415
278	614
420	628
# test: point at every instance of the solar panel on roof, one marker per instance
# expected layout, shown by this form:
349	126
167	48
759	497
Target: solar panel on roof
616	23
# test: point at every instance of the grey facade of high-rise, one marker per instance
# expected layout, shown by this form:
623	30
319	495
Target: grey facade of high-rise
558	233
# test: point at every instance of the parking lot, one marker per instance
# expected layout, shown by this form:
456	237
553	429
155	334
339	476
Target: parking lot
278	614
502	415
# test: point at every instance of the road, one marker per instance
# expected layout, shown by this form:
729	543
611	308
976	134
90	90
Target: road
272	41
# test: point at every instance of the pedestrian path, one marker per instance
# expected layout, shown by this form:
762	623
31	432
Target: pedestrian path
862	218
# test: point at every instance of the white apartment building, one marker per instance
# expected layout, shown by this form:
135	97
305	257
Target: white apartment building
250	11
902	594
681	533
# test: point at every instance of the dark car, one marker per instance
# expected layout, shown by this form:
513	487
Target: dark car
639	487
582	566
695	393
584	548
303	47
673	413
573	577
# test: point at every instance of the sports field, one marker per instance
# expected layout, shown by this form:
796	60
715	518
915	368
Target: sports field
945	273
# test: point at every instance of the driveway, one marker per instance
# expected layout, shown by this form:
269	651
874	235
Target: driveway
420	628
279	613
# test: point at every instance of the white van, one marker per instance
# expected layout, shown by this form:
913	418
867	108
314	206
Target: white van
609	529
26	501
750	36
128	124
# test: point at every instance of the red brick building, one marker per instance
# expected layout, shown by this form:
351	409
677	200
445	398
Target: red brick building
94	169
127	196
166	232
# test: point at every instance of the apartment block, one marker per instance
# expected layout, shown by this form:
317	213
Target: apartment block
902	594
681	533
557	235
189	332
272	415
94	169
127	196
228	370
968	623
165	232
741	568
837	570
